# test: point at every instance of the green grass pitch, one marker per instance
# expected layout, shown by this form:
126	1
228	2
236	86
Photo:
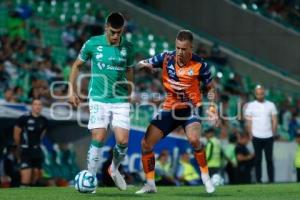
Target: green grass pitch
240	192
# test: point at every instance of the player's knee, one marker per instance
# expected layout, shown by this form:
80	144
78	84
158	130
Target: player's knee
123	141
98	135
146	146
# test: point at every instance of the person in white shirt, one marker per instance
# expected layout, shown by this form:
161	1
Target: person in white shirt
261	123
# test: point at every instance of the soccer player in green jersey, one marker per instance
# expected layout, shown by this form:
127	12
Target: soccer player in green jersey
111	60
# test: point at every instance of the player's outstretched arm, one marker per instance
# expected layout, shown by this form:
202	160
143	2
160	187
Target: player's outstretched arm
73	96
143	64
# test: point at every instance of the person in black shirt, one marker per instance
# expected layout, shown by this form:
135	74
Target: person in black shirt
245	160
28	132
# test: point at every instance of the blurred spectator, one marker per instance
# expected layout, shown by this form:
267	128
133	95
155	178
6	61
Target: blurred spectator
65	159
244	160
35	38
217	56
287	116
213	152
293	126
4	179
16	25
24	11
67	70
68	35
234	85
186	172
231	160
20	96
11	165
9	96
129	23
297	156
4	78
89	17
202	51
163	170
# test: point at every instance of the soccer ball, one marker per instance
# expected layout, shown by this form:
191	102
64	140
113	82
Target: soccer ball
85	182
217	180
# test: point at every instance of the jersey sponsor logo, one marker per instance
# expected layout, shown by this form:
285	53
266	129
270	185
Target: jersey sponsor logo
102	66
115	68
177	85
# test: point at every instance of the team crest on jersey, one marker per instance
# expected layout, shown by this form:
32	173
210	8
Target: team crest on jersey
123	52
191	72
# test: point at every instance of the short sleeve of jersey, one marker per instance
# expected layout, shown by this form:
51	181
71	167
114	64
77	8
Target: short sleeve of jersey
205	74
85	52
157	60
21	121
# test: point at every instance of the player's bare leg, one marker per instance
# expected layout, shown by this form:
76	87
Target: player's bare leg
193	131
119	153
153	135
36	176
26	177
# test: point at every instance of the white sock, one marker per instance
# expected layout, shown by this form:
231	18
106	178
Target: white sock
93	158
114	165
205	177
151	182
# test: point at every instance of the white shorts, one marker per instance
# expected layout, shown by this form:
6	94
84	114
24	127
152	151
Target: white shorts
101	114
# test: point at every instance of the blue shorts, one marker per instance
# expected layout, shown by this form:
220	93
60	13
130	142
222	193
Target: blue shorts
169	120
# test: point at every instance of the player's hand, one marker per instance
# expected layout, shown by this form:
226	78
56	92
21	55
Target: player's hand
74	100
146	66
213	116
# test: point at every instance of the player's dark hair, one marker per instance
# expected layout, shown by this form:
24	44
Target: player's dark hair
185	35
115	20
35	99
